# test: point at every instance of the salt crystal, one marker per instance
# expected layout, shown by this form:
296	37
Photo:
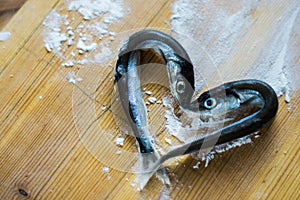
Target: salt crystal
70	33
119	152
70	41
152	99
196	166
148	92
168	140
112	33
40	97
53	37
105	170
79	79
133	184
4	36
68	63
119	141
84	47
287	98
80	51
71	77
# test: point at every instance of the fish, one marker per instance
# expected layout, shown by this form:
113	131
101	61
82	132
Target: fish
231	97
180	72
181	78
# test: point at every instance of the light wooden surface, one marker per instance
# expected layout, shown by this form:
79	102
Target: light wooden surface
42	156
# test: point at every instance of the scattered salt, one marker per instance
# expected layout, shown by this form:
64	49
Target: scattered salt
86	47
105	170
172	124
152	99
196	166
208	156
210	21
4	36
40	97
112	33
68	63
58	30
133	184
70	41
168	140
90	9
71	77
120	141
148	92
80	51
119	152
165	194
79	79
53	38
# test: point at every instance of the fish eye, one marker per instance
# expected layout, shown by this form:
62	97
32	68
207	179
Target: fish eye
180	87
210	103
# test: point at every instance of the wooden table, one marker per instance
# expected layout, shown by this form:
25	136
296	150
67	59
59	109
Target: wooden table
42	156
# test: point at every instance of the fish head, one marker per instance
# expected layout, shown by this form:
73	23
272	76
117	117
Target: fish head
181	76
228	102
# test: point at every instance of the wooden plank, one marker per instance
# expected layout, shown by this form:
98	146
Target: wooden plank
10	5
45	159
31	14
5	17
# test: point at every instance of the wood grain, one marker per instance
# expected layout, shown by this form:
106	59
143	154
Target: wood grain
42	156
10	4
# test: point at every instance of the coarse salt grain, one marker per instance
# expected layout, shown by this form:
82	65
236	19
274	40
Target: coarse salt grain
152	100
168	140
4	36
120	141
105	170
119	152
148	92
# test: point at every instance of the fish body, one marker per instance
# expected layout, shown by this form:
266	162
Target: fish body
180	73
238	95
181	78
